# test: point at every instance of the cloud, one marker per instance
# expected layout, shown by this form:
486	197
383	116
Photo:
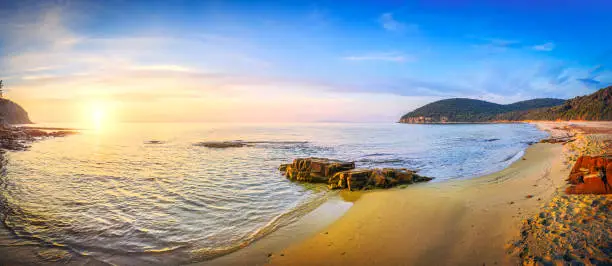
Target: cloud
589	82
495	45
35	77
389	23
390	57
503	42
163	68
545	47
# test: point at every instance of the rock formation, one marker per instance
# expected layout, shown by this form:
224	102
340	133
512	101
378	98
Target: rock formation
591	175
374	178
222	144
314	170
341	175
13	113
17	138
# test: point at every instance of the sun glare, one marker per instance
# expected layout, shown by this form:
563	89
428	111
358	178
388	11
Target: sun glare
98	115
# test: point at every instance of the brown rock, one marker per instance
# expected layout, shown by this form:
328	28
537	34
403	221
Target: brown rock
283	167
340	174
374	178
591	175
222	144
314	170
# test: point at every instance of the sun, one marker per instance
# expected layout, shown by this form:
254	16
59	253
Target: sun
98	114
97	117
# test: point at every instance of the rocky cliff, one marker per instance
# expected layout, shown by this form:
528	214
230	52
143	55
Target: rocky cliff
13	113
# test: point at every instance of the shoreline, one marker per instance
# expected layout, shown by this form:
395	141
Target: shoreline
459	222
316	231
259	253
425	217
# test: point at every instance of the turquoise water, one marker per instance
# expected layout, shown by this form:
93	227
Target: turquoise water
112	193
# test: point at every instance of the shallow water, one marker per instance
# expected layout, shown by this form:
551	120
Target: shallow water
146	189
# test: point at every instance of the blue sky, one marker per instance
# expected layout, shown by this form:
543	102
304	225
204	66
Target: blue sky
289	61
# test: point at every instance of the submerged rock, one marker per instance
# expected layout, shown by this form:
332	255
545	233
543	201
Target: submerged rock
221	144
591	175
340	175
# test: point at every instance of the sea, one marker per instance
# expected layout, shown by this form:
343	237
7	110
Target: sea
147	191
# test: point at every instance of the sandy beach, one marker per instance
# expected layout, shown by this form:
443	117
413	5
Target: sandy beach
464	222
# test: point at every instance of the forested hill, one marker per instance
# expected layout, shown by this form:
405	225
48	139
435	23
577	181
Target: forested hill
595	107
470	110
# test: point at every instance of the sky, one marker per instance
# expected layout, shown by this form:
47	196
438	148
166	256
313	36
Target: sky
292	61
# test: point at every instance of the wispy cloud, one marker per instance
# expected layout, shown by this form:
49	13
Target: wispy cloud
389	23
545	47
176	68
36	77
495	45
390	57
596	78
502	45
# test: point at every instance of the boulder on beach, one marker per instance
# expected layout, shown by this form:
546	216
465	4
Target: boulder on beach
591	175
343	175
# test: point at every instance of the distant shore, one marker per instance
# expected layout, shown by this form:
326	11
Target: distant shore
463	222
465	123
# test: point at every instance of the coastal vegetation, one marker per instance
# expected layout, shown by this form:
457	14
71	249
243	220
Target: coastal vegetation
470	110
595	107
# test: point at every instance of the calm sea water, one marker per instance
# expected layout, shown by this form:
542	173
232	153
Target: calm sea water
109	193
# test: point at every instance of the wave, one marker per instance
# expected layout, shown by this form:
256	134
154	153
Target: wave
377	154
242	143
154	142
513	157
383	161
203	254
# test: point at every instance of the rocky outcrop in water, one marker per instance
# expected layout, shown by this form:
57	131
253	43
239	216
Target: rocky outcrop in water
359	179
343	175
241	143
591	175
314	170
18	138
222	144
